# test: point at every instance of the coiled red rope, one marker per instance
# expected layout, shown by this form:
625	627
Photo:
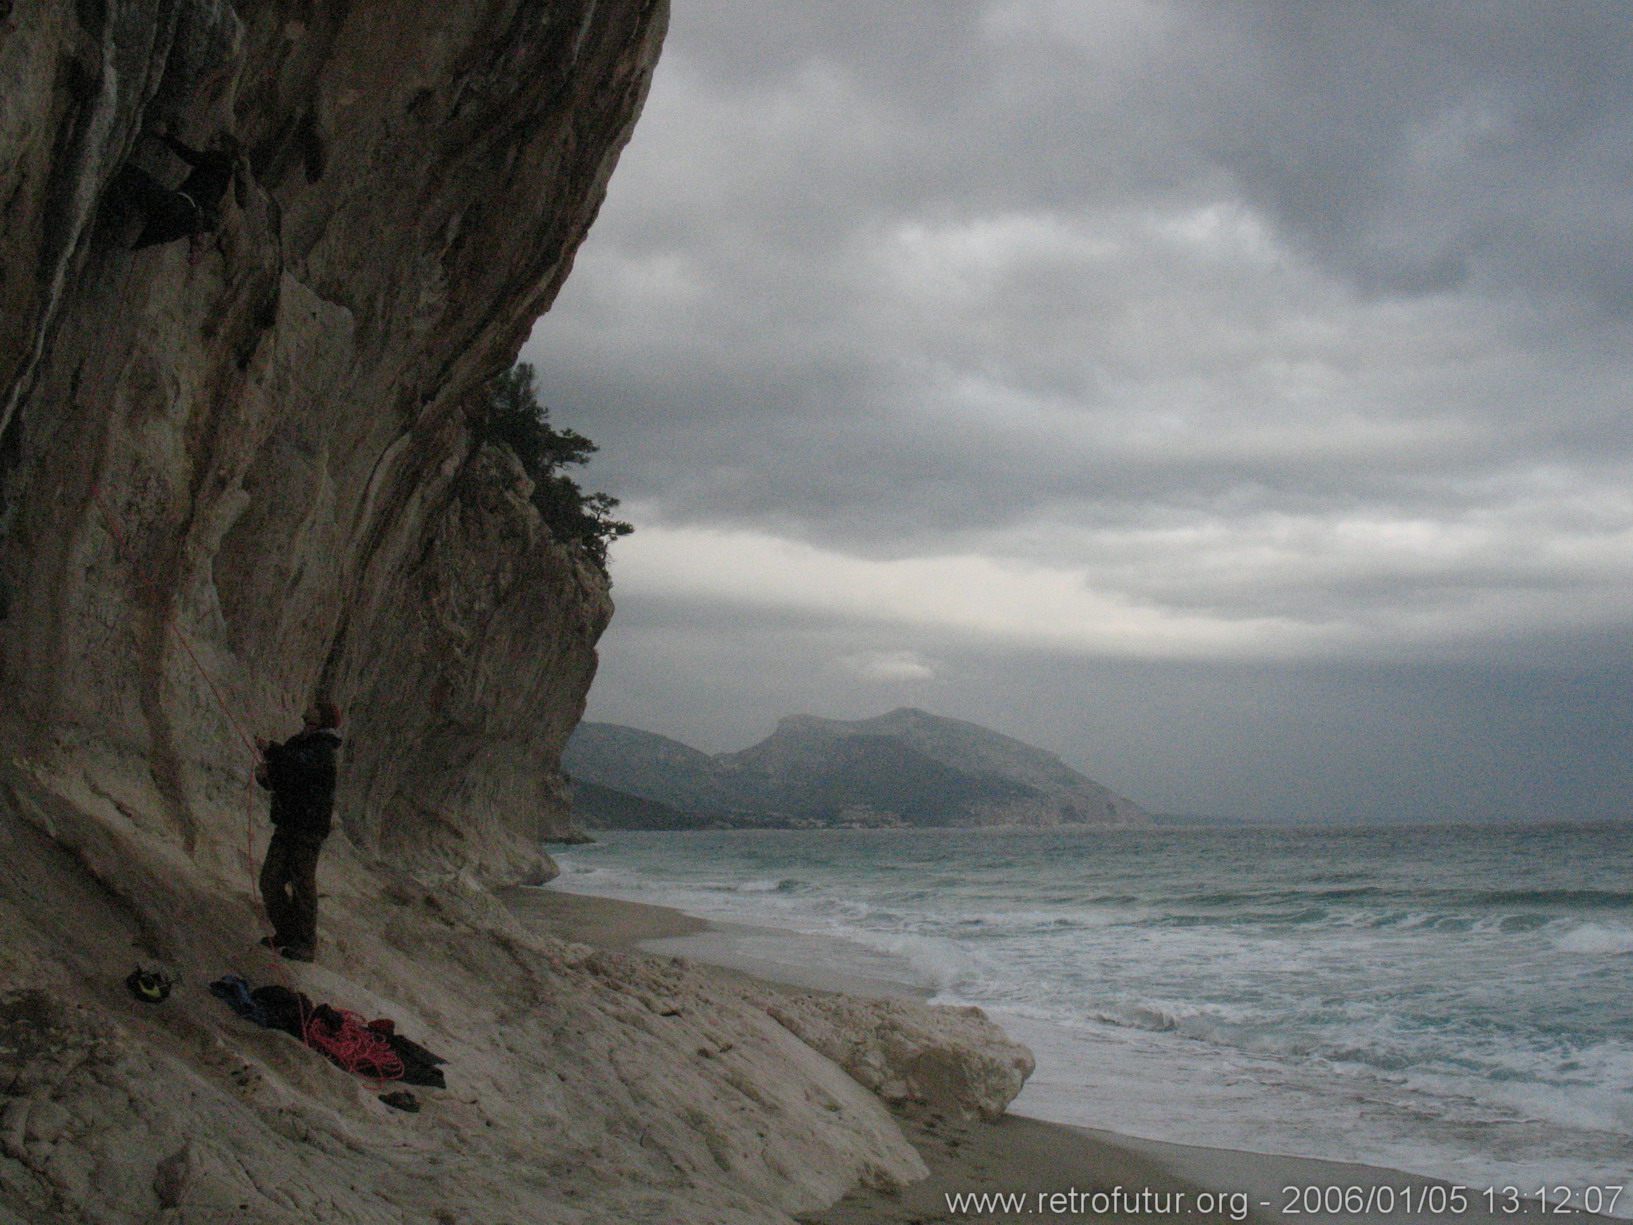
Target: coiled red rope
352	1045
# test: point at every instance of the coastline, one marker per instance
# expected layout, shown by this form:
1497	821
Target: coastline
1045	1171
603	922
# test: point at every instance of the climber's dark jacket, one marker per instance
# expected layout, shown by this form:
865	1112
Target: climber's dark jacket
181	212
206	186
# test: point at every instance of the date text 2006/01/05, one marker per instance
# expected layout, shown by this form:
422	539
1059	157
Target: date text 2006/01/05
1449	1199
1318	1201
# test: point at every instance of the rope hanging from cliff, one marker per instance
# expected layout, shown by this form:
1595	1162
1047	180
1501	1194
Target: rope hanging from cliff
146	579
181	635
343	1036
348	1046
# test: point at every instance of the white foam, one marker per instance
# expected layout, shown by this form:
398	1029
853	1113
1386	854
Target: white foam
1432	1038
1164	1086
1594	938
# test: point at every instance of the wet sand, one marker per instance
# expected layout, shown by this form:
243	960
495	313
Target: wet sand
597	920
1045	1172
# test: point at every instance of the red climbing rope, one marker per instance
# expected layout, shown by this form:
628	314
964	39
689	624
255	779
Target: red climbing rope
181	635
349	1042
352	1045
123	545
147	580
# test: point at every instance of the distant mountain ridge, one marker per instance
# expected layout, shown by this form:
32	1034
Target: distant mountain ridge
905	768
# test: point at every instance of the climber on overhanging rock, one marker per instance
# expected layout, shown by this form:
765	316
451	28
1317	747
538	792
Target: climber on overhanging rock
187	211
300	773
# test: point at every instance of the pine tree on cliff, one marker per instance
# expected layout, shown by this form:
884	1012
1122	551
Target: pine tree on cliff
516	420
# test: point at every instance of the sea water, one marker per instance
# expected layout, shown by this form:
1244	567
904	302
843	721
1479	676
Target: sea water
1451	1001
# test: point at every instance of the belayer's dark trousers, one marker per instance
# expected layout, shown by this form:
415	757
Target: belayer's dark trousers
289	889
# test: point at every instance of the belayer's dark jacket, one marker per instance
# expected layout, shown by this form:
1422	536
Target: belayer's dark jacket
300	773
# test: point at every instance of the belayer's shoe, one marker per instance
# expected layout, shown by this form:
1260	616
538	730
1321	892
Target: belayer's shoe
295	953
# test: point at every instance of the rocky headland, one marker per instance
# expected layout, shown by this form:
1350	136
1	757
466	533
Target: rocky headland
244	470
905	768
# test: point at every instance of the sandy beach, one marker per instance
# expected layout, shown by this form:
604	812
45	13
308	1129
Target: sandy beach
599	921
1030	1170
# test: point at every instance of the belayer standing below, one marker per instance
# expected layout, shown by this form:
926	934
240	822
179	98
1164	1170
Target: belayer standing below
300	773
187	211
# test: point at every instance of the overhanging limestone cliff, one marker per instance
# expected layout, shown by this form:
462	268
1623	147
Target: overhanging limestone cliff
249	467
234	475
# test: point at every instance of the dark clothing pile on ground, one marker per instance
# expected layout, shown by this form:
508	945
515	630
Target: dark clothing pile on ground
374	1049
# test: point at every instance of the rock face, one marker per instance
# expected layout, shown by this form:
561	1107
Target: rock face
584	1086
903	768
241	473
946	1060
248	469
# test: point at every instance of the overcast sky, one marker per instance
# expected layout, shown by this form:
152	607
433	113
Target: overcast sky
1232	398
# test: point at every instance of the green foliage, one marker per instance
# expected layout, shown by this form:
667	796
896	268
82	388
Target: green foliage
517	420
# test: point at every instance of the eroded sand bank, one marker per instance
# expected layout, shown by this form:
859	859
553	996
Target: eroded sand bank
1032	1170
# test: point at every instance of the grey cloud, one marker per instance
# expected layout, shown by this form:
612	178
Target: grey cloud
1421	147
1253	308
1412	320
